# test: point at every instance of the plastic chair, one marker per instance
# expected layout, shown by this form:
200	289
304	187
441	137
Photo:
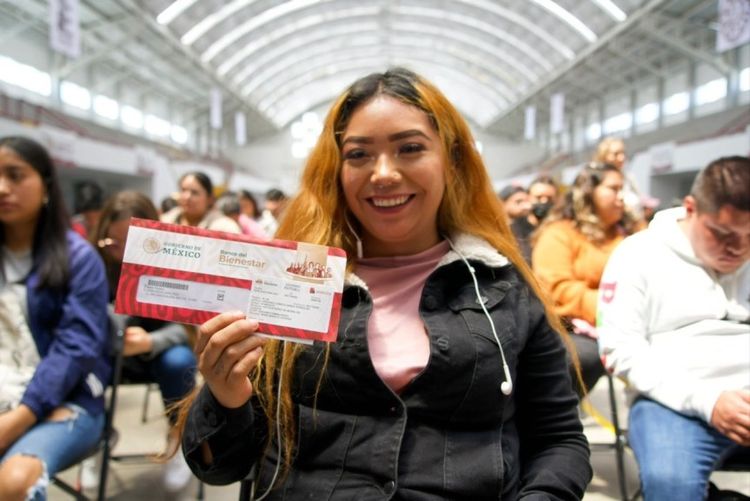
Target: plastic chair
619	444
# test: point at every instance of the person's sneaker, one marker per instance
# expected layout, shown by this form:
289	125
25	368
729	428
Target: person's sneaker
177	473
90	468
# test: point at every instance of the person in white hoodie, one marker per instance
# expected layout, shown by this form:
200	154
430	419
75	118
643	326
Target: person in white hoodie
674	322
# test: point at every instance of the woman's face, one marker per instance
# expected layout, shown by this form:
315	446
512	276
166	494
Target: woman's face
22	190
117	234
247	207
194	199
393	176
608	199
616	154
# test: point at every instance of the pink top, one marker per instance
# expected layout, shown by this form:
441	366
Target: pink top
252	228
397	339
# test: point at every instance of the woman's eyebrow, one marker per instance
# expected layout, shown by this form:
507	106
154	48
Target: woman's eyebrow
393	137
407	133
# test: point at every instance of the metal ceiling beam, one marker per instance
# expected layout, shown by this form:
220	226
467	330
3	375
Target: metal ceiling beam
103	50
295	87
679	44
16	30
291	86
649	68
315	57
264	125
633	20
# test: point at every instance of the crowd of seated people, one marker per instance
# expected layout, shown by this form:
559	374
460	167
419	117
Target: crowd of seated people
583	253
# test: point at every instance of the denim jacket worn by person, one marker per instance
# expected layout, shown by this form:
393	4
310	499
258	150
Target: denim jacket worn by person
451	433
70	329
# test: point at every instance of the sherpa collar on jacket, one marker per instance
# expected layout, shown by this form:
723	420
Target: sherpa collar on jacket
471	247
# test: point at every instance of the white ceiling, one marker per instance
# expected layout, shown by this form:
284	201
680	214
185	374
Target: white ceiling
276	60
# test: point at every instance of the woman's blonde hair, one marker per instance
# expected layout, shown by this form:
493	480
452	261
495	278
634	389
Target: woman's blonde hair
318	214
602	149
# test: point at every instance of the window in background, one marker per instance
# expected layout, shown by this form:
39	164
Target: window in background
647	113
75	95
106	107
676	103
131	117
25	76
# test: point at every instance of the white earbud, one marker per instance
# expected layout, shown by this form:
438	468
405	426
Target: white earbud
360	254
506	387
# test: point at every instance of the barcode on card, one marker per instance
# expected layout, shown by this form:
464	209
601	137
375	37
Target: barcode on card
168	285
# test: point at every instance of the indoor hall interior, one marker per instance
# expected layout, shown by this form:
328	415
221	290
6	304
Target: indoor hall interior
134	94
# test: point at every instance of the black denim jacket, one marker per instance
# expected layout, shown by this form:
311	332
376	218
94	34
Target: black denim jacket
451	434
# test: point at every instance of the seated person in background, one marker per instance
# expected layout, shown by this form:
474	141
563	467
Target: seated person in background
542	196
88	198
249	205
611	150
168	203
570	251
412	401
275	204
154	350
516	202
196	205
229	205
53	328
674	313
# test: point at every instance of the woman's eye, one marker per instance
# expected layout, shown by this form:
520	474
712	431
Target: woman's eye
355	154
408	148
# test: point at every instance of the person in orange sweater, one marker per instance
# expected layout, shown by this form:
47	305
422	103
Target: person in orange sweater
573	245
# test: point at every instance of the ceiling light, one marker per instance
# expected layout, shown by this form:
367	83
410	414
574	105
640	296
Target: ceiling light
568	18
613	10
175	9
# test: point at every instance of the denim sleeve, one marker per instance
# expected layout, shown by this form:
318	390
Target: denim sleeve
235	436
554	450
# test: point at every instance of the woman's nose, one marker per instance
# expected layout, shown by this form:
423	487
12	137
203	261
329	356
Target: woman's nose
385	171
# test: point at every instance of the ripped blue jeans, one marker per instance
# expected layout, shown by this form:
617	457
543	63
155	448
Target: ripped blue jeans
58	444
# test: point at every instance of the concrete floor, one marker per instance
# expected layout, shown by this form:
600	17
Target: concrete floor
142	480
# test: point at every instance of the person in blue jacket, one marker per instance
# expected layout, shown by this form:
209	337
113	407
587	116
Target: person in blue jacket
53	327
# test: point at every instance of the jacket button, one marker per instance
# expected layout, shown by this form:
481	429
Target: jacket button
430	303
389	487
443	343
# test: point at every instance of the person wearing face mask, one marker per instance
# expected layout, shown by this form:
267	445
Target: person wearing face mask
571	248
542	195
447	380
674	322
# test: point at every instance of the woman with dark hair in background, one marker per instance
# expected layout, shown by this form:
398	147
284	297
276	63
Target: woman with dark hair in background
249	205
53	328
570	251
154	350
448	379
230	204
196	205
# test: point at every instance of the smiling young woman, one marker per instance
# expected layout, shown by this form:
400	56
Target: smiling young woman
423	395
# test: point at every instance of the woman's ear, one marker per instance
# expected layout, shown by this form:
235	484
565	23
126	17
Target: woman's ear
691	207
